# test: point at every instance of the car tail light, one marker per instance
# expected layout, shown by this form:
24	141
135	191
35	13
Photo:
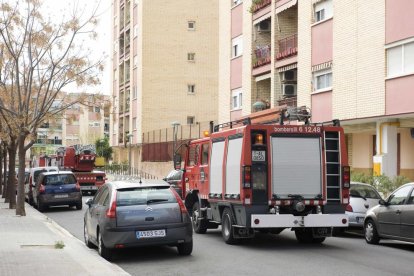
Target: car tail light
180	202
349	208
42	189
77	187
111	213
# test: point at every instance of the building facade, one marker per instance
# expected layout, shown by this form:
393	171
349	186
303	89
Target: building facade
348	60
165	70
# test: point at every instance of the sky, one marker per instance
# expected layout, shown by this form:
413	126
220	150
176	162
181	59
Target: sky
102	45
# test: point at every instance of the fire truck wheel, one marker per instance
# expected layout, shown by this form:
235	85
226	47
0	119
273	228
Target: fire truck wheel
306	236
199	225
227	222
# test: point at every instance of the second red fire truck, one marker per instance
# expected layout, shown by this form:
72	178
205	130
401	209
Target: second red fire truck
248	176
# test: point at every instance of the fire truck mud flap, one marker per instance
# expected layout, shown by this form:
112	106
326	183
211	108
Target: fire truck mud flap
288	221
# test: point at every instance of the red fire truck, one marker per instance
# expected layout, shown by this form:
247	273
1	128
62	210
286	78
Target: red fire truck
80	159
249	176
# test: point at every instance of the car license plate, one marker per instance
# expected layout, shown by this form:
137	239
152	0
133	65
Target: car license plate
150	234
61	196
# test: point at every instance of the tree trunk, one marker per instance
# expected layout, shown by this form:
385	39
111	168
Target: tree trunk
5	195
11	182
1	171
20	211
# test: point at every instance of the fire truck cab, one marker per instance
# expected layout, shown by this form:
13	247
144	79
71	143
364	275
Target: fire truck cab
268	177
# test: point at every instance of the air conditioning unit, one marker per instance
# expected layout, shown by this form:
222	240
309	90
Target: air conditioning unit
263	26
289	75
289	89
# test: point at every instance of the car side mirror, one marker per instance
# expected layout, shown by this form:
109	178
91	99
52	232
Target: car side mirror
383	202
89	202
177	161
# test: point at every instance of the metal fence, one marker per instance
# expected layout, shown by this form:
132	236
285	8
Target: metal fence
122	170
158	145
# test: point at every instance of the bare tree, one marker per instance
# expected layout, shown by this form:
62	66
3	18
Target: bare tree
39	59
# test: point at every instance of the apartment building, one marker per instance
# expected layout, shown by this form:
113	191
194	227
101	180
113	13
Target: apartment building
81	123
165	70
348	60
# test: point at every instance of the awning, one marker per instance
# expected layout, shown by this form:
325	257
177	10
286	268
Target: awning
322	66
263	77
287	67
260	19
286	6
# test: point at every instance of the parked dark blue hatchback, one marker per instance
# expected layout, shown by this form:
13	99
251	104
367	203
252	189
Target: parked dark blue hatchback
57	188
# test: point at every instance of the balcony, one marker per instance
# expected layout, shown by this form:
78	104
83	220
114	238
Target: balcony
287	47
290	102
261	56
258	5
49	141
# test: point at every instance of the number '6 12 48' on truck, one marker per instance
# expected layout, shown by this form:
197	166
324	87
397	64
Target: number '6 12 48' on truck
268	177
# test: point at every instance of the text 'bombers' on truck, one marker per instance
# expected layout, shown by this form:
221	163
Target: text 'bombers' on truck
252	176
80	159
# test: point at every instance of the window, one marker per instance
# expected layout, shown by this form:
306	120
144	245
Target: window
236	2
191	89
323	10
190	120
191	56
322	80
236	99
97	109
400	60
400	196
204	154
191	25
237	47
134	123
193	155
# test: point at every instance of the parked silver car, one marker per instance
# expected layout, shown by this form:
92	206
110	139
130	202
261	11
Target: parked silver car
131	214
361	197
393	218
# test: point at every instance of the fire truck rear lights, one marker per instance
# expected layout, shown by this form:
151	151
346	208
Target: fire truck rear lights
258	139
346	176
256	221
349	208
344	221
318	209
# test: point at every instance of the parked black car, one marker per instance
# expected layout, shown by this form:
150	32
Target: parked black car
57	188
175	179
393	218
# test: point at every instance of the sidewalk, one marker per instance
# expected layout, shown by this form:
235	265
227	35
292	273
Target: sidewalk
27	247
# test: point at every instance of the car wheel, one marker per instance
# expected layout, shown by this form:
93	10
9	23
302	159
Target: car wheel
86	236
40	205
227	221
102	250
79	205
199	225
185	248
370	232
306	236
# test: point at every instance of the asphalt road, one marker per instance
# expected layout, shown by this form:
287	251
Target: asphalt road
265	255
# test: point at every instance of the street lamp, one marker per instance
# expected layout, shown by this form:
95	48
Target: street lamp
175	125
130	135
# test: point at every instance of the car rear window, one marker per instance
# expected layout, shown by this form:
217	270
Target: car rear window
37	173
59	179
364	191
144	196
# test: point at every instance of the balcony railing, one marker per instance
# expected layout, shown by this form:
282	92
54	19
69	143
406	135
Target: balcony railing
291	101
49	141
261	56
259	4
287	47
